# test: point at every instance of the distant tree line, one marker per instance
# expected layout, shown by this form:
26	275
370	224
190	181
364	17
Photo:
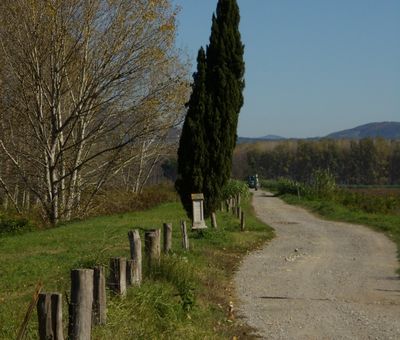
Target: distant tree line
366	161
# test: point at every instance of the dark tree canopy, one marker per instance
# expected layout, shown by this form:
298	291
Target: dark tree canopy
225	71
192	145
205	152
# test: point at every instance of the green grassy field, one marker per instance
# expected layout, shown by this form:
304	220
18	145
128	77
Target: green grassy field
159	309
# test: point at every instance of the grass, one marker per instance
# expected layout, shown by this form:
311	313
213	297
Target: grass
387	223
186	297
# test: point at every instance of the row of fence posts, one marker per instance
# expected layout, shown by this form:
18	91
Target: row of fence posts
87	301
233	205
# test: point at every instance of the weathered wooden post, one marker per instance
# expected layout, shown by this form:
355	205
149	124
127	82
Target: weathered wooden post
136	256
117	280
214	220
222	206
228	206
99	297
130	272
80	309
167	233
238	199
185	239
152	246
242	221
238	212
49	310
198	221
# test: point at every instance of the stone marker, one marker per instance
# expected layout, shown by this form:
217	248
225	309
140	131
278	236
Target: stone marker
198	221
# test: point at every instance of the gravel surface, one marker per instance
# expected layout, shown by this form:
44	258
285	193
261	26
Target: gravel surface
319	279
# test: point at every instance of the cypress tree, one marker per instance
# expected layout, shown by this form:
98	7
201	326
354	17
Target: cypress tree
209	132
225	84
192	143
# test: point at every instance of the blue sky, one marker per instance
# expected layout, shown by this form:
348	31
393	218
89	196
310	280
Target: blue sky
312	66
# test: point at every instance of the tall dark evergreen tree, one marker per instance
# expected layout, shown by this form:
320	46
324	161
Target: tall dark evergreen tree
192	144
209	132
225	84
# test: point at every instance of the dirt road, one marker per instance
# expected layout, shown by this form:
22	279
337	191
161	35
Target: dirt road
319	279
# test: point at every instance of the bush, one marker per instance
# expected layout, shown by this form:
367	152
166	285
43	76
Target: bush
14	225
235	187
322	184
289	186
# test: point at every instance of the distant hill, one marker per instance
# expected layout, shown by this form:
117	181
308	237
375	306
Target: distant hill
242	140
387	130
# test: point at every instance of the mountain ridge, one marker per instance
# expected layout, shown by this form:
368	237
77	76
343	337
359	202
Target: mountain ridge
386	130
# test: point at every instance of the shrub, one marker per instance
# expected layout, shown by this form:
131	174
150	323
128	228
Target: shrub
289	186
235	187
14	225
322	184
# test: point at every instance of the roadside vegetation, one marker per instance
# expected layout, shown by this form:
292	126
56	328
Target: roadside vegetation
374	206
187	296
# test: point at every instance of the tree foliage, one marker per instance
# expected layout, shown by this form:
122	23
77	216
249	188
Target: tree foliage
90	88
192	150
223	100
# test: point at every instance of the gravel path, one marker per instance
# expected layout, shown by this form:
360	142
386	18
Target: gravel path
319	279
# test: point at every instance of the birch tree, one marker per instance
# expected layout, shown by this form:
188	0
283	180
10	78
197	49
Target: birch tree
85	81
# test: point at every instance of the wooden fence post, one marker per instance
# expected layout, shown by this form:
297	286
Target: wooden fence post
242	221
167	231
238	199
233	210
49	310
238	212
185	239
130	272
99	296
214	220
80	311
152	246
136	256
117	281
